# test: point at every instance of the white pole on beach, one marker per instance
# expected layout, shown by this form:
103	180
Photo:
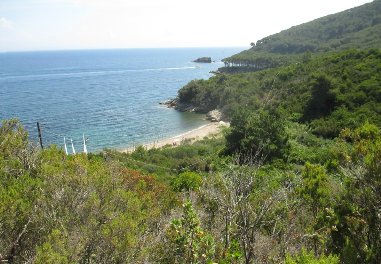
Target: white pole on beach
65	146
72	146
84	144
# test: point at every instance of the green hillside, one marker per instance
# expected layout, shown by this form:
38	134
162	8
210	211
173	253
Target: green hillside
358	27
330	91
295	179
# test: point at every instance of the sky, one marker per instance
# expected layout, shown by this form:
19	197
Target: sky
101	24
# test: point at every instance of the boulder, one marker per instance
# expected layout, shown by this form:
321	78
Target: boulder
214	115
170	103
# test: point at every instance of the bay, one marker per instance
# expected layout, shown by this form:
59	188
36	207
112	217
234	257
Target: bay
111	96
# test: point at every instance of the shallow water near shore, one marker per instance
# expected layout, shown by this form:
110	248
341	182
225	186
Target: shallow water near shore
112	96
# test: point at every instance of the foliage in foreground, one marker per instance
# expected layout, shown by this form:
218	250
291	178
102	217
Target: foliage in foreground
79	209
71	209
309	258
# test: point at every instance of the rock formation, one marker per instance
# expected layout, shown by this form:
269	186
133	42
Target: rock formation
204	60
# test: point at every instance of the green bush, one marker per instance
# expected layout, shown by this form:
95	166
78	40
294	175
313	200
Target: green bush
187	181
305	257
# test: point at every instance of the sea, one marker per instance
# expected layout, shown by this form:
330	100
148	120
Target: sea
109	97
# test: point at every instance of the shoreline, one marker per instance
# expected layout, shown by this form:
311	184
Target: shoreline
193	135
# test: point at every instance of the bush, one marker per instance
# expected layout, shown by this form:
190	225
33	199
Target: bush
187	181
306	257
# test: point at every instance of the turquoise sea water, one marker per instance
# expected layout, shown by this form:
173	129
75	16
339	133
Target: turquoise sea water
112	96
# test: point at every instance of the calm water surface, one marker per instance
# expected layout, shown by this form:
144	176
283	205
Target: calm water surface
112	96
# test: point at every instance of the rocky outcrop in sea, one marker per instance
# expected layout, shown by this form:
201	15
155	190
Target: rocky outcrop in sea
204	60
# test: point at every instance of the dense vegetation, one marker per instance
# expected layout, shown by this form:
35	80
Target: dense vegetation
329	92
358	28
318	202
295	179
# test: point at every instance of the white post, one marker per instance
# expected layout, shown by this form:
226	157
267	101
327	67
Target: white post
65	146
72	146
84	144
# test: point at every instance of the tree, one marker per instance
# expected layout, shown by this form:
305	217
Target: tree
322	101
260	134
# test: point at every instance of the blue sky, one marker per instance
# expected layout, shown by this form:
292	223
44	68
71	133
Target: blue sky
93	24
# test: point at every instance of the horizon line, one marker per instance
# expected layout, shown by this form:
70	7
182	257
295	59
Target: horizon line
129	48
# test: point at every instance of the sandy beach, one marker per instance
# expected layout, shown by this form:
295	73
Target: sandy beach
192	135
